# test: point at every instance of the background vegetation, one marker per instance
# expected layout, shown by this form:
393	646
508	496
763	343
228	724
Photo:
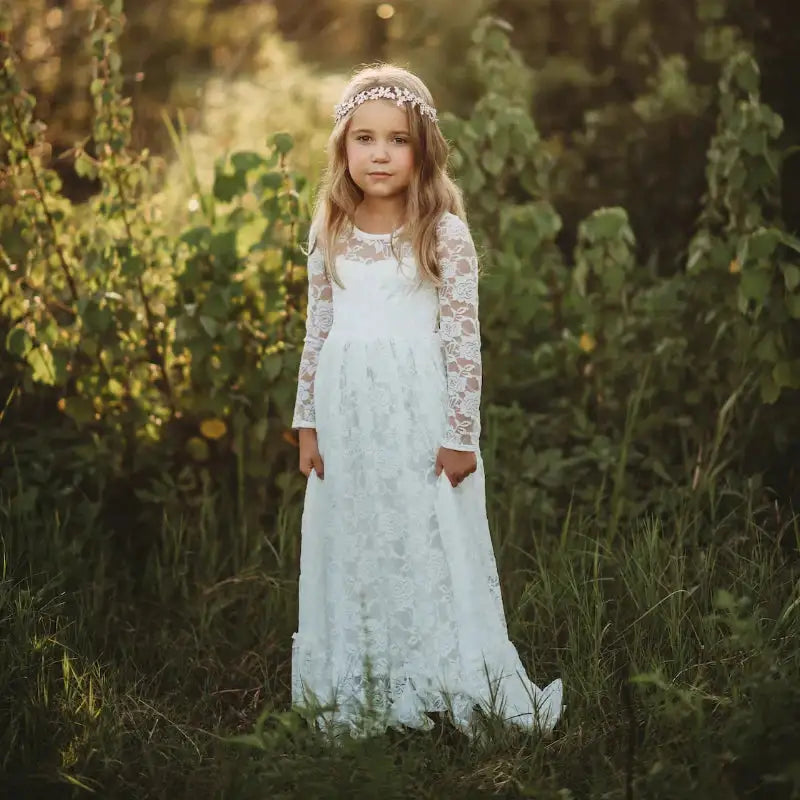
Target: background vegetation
628	168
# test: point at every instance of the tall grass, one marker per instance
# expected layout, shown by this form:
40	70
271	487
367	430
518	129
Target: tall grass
676	638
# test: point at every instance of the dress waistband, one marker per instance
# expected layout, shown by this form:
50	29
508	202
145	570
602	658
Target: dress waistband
375	334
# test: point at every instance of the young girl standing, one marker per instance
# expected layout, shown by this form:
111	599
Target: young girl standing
399	599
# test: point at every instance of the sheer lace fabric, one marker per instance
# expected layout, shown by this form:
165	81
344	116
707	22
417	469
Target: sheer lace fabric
396	566
457	310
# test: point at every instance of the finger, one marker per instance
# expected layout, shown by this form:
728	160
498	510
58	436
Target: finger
438	467
319	466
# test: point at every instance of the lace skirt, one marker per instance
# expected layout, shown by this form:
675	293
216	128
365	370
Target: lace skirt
400	610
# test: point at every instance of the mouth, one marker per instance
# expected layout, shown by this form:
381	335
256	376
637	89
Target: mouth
380	174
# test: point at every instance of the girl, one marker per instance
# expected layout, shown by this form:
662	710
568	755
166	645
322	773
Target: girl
400	609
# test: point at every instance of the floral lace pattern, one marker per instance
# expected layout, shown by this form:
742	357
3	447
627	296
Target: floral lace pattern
396	564
460	332
319	318
459	326
409	582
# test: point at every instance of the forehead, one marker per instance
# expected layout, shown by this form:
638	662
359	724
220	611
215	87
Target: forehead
380	114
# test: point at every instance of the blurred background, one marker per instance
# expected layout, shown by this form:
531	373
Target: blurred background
619	87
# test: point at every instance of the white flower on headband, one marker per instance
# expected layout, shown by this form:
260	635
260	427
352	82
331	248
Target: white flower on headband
385	93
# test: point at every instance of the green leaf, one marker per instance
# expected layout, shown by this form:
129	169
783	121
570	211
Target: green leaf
198	449
605	223
81	409
791	276
755	285
85	166
248	739
229	185
198	236
216	304
793	305
746	74
762	243
247	160
41	362
223	246
492	163
787	373
18	342
258	431
767	348
233	337
790	241
132	266
272	366
754	142
96	318
199	349
770	391
282	142
709	10
270	181
209	325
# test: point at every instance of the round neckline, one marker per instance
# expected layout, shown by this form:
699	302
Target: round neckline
367	235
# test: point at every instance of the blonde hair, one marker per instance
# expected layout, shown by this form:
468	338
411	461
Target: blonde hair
430	194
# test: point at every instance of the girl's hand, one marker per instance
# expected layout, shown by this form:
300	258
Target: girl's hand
309	453
456	464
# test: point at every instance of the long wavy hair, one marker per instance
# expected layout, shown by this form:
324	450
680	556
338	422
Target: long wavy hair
430	193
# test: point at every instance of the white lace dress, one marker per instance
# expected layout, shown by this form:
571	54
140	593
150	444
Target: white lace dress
397	571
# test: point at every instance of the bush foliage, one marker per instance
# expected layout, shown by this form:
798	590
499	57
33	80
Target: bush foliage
168	357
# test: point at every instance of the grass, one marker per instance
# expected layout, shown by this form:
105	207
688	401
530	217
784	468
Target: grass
676	639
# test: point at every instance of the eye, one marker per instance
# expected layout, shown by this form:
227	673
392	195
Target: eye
401	140
362	137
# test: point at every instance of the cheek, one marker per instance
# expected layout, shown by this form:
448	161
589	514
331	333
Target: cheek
355	156
406	158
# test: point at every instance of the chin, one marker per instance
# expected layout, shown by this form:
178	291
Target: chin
382	191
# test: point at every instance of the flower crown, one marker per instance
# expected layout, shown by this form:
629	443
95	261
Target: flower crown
386	93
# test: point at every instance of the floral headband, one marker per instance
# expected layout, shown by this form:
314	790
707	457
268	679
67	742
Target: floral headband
385	93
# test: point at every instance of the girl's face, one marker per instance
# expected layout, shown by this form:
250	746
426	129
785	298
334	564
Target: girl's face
380	156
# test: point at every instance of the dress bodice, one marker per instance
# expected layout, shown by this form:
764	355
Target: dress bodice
382	297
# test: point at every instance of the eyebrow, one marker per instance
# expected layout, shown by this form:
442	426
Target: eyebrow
369	130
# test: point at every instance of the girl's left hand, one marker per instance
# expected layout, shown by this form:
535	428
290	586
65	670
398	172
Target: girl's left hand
457	464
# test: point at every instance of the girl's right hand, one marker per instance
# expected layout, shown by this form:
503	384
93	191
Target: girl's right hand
309	453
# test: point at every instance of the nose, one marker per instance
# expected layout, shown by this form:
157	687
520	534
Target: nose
380	153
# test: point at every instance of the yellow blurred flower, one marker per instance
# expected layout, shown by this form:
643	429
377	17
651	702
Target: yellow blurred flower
213	428
587	342
735	266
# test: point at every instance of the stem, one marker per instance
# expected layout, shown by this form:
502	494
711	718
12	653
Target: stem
148	313
41	192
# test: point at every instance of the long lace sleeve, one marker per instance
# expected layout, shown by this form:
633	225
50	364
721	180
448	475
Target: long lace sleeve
319	319
460	332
